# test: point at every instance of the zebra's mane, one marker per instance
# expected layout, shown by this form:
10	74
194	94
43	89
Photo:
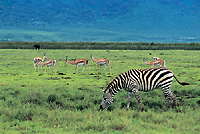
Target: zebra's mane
113	83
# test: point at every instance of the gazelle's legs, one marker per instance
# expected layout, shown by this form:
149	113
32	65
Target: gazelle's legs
83	68
38	66
55	68
88	68
164	64
45	68
96	65
99	66
34	66
105	66
109	66
76	69
49	69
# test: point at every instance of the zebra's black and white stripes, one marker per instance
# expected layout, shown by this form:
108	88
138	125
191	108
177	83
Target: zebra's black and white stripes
136	80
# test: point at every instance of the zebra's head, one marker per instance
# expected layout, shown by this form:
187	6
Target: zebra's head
107	99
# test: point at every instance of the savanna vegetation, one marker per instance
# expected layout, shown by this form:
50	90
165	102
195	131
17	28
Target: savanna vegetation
101	45
64	102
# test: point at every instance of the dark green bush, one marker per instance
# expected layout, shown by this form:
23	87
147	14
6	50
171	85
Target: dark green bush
101	45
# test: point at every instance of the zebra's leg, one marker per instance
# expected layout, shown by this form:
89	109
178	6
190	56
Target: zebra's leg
168	93
173	96
137	96
128	99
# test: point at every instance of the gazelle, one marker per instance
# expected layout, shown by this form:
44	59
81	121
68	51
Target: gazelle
156	58
48	64
77	62
36	60
158	62
100	61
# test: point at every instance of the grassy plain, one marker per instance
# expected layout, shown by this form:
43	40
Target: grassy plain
37	102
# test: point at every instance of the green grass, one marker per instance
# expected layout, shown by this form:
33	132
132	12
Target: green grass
37	102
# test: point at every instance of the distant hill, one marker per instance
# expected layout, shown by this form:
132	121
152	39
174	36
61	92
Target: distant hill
138	20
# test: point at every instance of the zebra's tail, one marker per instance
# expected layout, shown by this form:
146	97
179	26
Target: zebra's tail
182	83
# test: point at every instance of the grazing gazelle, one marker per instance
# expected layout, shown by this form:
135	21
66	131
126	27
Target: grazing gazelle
36	60
159	62
48	64
156	58
77	62
100	61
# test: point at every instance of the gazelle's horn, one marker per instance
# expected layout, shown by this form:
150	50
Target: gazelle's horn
66	59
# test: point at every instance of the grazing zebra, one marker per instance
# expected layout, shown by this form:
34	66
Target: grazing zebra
136	80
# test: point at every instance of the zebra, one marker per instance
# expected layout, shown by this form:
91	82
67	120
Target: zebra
136	80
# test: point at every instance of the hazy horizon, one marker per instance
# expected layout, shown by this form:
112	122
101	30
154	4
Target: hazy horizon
163	21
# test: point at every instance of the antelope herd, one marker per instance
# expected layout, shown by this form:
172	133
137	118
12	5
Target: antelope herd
52	62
